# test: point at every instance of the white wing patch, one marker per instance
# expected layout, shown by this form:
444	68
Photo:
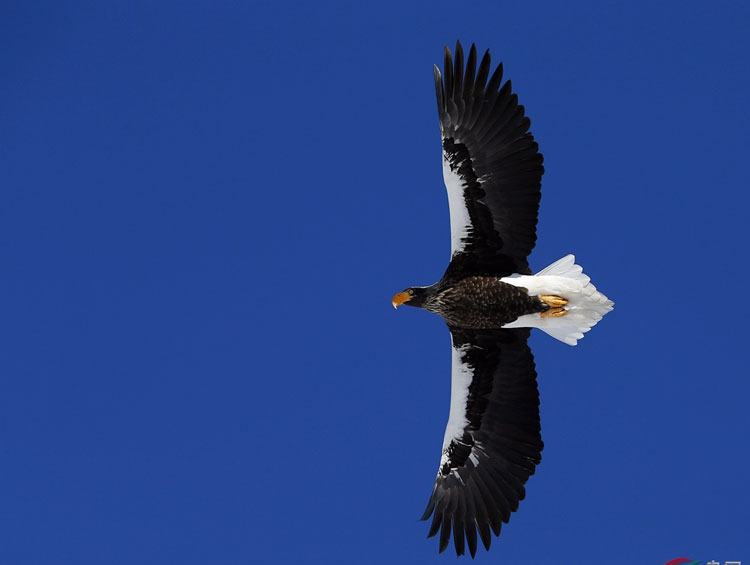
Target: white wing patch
461	377
460	220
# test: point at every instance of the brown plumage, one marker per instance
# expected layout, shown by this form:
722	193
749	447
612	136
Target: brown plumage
480	303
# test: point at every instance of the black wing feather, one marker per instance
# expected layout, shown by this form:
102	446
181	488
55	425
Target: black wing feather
471	69
458	76
486	141
483	479
482	74
470	530
458	524
445	530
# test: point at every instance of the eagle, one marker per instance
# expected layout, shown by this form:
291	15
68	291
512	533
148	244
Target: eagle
490	300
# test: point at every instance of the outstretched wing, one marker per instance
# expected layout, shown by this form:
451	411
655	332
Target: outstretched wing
491	166
493	438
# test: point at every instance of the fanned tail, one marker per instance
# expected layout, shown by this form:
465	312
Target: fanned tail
585	307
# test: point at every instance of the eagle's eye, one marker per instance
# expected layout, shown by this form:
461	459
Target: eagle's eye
410	292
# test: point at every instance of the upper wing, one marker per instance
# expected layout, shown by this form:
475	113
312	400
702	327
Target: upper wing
491	166
493	438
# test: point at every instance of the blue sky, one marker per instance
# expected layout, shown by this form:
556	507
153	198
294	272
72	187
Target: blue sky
206	210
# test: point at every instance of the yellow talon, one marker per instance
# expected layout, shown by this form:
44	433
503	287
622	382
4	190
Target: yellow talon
554	313
554	301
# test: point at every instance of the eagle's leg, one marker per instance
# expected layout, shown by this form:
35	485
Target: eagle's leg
554	313
553	301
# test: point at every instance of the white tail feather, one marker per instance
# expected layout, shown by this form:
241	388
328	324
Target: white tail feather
585	307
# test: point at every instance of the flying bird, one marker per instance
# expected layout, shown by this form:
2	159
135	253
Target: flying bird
490	300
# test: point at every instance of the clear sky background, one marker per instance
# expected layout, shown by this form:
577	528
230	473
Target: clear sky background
205	210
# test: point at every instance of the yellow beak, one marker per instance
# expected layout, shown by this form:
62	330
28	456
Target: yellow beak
400	298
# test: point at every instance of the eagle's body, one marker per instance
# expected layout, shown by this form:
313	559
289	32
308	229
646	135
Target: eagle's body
482	303
489	299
